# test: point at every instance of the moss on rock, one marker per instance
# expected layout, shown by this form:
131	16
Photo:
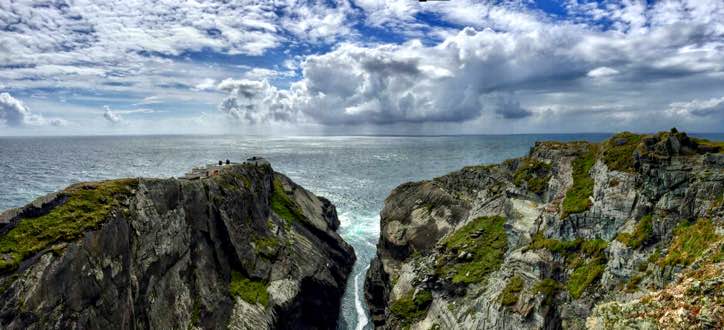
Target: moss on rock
86	207
411	307
642	234
251	291
618	151
586	258
283	205
577	197
484	240
583	276
691	242
511	292
548	288
534	174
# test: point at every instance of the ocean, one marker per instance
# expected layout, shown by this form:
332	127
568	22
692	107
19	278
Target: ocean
355	172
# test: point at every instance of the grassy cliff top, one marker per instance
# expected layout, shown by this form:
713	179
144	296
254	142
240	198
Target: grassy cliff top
85	206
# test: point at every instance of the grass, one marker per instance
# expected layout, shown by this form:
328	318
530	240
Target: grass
266	246
283	205
584	275
633	283
585	257
251	291
487	250
86	207
690	242
619	157
411	307
534	173
642	234
717	146
511	292
553	245
577	197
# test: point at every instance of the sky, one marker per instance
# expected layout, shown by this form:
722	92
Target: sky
70	67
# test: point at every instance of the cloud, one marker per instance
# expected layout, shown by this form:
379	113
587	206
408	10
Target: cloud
206	85
505	106
252	101
14	113
603	71
513	62
111	116
372	62
699	108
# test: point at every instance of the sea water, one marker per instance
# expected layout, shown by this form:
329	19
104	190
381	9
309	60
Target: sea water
356	173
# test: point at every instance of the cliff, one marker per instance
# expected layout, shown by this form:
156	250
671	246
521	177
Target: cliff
626	233
245	249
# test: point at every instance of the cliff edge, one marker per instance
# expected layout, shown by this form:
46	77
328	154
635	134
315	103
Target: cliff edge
246	248
626	233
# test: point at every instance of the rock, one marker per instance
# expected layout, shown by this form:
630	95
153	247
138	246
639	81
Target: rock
245	249
589	269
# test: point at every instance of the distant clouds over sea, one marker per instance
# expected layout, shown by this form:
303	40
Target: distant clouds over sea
365	66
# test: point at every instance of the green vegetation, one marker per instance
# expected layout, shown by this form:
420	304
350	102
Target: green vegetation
553	245
584	275
195	315
267	246
512	290
643	232
548	287
250	290
585	257
534	173
691	241
618	151
633	283
411	309
577	197
484	238
716	146
283	205
590	248
86	207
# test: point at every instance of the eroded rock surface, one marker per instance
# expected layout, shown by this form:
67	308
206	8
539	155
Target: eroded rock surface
246	249
626	233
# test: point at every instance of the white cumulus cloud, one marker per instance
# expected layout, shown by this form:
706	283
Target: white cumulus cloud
14	113
111	116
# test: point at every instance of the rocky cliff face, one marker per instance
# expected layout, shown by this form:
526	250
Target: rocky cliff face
622	234
247	249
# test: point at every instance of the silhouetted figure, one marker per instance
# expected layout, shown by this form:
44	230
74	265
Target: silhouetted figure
221	163
228	162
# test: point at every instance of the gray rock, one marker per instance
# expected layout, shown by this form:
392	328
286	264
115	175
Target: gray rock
166	262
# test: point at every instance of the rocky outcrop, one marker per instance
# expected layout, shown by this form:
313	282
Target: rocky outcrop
623	233
245	249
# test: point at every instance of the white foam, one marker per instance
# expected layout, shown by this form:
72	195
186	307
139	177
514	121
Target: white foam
361	315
